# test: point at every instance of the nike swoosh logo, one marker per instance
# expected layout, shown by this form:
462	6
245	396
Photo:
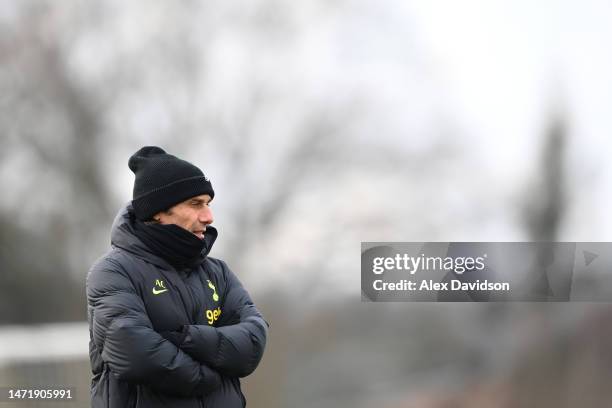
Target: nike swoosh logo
157	292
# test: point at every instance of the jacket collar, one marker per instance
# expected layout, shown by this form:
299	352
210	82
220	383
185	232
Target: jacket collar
122	236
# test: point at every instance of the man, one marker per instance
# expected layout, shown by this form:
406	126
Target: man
169	326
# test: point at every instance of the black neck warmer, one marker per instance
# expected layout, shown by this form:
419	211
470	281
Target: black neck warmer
177	246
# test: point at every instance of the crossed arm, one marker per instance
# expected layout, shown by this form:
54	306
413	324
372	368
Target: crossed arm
134	351
233	350
130	346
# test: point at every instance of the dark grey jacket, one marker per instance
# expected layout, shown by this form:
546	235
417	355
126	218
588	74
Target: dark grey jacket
134	295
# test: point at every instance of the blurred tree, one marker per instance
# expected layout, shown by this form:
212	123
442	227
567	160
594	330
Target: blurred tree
545	205
53	136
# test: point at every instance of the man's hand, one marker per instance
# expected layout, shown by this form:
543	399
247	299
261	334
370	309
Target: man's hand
176	337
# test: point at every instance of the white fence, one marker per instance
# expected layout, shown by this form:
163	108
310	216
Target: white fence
43	343
44	356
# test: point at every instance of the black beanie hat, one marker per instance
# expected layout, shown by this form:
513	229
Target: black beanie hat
163	180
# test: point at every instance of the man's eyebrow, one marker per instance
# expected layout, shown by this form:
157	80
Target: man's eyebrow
198	200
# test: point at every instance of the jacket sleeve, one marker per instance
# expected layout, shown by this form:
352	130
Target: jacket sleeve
129	345
234	350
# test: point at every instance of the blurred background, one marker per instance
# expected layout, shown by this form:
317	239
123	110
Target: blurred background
321	124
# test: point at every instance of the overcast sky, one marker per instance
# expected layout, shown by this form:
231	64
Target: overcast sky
484	77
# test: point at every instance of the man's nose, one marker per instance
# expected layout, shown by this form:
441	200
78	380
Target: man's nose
206	216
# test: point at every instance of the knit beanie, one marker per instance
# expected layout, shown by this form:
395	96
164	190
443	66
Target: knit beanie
163	180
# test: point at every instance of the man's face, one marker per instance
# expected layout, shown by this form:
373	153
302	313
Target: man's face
193	215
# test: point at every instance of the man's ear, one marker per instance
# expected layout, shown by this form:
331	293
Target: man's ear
157	217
